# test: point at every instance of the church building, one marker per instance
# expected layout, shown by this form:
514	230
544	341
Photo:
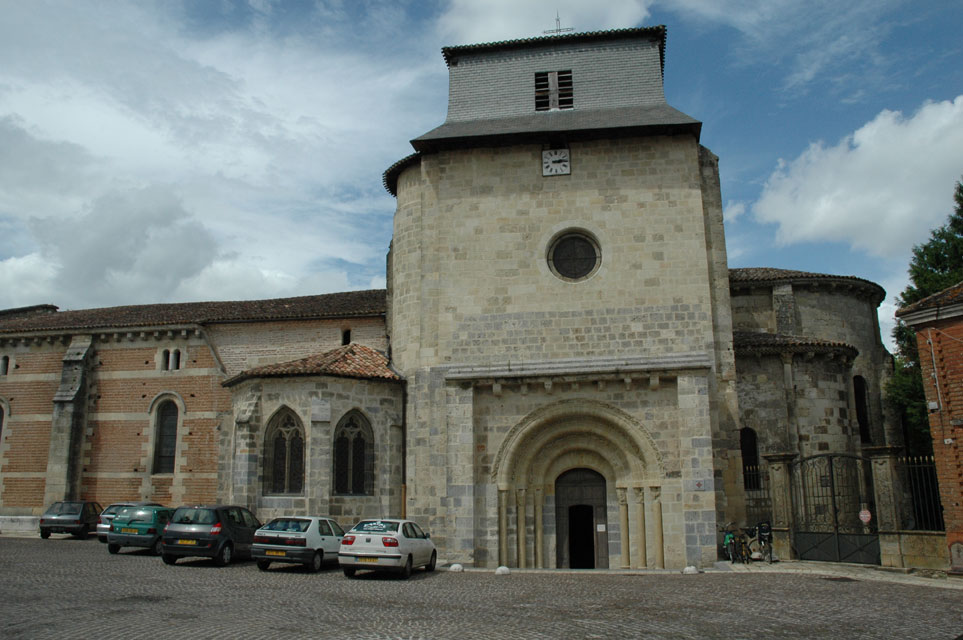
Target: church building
562	371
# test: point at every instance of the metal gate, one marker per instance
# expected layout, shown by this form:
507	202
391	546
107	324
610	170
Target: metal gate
829	494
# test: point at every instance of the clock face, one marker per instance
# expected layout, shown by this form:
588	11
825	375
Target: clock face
556	162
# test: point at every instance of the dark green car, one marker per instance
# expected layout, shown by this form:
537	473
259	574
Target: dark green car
140	526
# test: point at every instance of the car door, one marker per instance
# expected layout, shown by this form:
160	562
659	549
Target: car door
422	541
329	540
248	525
415	548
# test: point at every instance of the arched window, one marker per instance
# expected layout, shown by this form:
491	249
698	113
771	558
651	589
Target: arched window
751	475
284	455
862	411
346	337
1	423
175	359
165	437
353	456
4	365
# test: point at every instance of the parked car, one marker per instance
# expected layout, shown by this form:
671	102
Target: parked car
103	525
138	526
76	517
306	540
222	532
386	545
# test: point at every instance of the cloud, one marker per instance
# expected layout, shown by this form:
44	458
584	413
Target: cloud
733	210
470	21
880	189
815	40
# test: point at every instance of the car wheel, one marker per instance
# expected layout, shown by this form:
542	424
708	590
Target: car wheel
44	534
82	533
113	548
348	572
406	572
316	561
223	557
169	559
431	563
263	565
102	539
157	548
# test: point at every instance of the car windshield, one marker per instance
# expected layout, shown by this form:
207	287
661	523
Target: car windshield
135	514
194	516
113	509
375	526
294	525
64	508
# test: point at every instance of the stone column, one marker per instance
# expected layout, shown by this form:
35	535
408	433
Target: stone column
885	487
539	529
68	425
624	526
781	496
521	533
640	527
789	389
503	527
657	528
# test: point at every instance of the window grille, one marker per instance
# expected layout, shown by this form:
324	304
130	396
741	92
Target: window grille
554	90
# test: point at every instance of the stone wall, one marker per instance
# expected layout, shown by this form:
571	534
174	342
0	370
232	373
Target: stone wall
319	402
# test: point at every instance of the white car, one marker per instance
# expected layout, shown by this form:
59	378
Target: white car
386	545
307	540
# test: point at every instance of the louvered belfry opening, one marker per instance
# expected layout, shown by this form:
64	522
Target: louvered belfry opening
554	90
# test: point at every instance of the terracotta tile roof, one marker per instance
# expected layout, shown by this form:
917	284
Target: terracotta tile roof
350	361
749	276
944	298
331	305
775	343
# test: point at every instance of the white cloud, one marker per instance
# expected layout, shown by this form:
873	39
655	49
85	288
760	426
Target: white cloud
880	190
471	22
733	210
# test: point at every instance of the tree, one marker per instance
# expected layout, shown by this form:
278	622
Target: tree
936	264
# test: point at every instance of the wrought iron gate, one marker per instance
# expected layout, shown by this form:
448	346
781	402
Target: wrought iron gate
829	492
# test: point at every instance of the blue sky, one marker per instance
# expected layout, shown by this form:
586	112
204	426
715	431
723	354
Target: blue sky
175	151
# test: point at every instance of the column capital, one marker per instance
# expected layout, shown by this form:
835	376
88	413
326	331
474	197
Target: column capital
784	457
882	451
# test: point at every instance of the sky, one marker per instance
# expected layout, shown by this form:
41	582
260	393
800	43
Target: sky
187	150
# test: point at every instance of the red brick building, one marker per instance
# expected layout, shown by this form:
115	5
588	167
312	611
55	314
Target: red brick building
938	321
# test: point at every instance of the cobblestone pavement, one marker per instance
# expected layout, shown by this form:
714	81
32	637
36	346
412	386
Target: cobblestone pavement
65	587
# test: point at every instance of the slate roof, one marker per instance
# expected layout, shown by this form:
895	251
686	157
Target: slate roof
589	123
749	276
775	343
946	297
331	305
451	53
350	361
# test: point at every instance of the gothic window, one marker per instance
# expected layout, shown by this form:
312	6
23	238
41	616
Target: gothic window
353	456
554	90
862	412
751	478
284	456
165	437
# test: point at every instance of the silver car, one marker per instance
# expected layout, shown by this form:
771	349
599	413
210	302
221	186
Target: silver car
307	540
103	525
386	545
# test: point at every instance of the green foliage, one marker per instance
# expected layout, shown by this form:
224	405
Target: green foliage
936	265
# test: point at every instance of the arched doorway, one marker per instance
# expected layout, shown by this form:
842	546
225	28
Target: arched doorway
580	517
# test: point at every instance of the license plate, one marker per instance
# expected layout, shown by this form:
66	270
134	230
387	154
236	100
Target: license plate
187	542
275	553
126	530
367	559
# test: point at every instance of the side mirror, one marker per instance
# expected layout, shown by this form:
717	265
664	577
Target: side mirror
427	535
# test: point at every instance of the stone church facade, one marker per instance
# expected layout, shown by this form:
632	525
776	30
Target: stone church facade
562	372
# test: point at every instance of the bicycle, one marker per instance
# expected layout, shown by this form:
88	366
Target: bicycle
733	543
760	541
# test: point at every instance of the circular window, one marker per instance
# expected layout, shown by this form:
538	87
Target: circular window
574	256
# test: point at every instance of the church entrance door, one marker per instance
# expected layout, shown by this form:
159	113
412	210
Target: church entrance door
580	512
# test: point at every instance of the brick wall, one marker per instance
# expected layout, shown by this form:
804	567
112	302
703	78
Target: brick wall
941	351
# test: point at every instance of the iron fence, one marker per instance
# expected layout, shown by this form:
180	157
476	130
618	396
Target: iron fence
921	507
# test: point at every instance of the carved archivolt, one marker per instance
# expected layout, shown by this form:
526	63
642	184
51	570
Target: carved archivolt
563	433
